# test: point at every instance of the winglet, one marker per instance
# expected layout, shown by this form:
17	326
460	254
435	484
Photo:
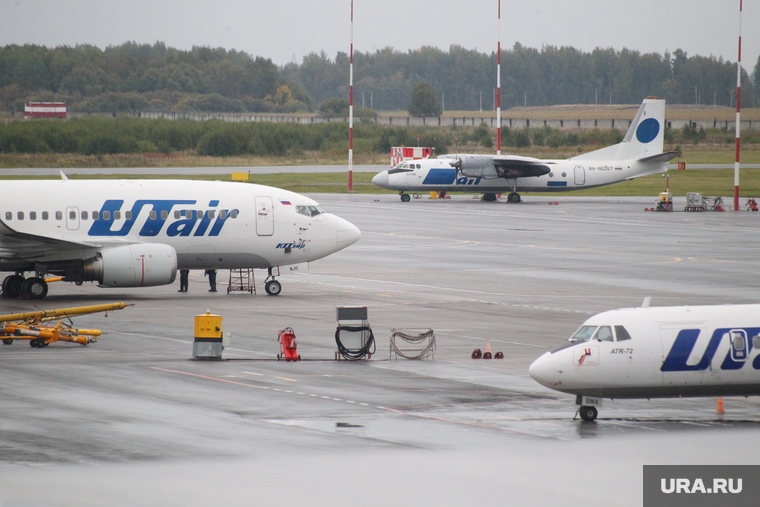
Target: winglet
63	176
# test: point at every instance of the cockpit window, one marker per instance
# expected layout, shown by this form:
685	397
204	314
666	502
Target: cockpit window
621	333
584	334
310	211
399	169
604	334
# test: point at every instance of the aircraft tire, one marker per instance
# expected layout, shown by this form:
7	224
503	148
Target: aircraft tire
489	197
12	286
589	413
273	288
35	288
513	197
405	198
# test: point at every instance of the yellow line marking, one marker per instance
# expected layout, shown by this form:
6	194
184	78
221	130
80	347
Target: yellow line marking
251	373
288	379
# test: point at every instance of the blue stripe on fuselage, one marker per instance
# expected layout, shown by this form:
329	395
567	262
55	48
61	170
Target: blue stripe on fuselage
440	177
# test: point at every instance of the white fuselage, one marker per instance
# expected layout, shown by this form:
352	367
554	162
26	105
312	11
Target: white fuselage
437	175
217	225
672	351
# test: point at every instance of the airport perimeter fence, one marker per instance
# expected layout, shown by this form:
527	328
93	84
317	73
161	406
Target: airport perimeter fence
437	121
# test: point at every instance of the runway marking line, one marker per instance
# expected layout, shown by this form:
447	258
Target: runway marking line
288	379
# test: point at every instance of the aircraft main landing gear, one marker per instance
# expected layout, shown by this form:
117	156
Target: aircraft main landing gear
588	413
18	287
405	197
513	197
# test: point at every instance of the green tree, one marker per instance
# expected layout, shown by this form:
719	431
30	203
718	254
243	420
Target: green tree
423	101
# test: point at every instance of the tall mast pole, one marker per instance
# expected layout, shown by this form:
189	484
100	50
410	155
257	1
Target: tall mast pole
498	82
351	107
738	113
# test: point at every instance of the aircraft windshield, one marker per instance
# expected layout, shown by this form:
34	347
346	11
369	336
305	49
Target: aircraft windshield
584	334
310	211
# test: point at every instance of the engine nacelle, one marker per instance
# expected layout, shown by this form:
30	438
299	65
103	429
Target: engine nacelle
477	166
140	265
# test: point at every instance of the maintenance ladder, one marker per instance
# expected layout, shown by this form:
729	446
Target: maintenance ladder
242	280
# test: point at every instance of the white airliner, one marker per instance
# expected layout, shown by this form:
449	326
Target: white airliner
657	352
639	154
135	233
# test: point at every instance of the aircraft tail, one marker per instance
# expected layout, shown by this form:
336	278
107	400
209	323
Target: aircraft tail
644	138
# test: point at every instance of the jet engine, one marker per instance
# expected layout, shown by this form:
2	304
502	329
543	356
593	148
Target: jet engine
138	265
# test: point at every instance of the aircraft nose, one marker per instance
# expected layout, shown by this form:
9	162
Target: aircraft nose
542	370
381	179
348	233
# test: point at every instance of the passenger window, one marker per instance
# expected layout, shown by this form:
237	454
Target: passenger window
117	215
188	214
210	214
128	215
45	215
58	215
164	214
233	213
604	334
8	215
223	214
738	341
176	213
621	333
95	215
106	215
199	214
756	342
72	215
20	215
32	215
152	214
84	215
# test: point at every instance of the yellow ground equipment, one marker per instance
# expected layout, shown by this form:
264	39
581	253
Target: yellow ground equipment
26	326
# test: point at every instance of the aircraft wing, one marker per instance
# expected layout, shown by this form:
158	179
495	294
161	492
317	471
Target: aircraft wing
519	167
662	157
21	246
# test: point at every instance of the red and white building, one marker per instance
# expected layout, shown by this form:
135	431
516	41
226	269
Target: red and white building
401	154
45	110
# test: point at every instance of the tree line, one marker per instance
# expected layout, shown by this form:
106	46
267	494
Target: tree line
135	77
465	79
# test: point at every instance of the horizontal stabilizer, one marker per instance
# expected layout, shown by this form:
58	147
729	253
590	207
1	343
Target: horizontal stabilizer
661	157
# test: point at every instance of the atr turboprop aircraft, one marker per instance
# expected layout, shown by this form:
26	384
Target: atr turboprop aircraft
135	233
639	154
657	352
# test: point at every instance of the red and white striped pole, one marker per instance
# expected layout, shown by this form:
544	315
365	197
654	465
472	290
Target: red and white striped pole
498	82
738	113
351	107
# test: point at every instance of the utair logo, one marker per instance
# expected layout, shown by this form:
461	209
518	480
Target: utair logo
740	341
468	181
291	245
698	486
184	220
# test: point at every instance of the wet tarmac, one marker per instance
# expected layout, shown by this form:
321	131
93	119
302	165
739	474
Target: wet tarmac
134	420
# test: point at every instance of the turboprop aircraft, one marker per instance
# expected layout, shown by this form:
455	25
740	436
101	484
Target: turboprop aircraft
137	233
639	154
657	352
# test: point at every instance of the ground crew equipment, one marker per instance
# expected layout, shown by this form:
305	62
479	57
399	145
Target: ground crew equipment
288	347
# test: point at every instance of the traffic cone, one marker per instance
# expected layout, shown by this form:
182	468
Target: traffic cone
487	353
719	409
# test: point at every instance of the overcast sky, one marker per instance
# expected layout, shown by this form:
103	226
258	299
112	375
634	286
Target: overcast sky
286	30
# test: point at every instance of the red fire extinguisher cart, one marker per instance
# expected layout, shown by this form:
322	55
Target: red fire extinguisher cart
288	346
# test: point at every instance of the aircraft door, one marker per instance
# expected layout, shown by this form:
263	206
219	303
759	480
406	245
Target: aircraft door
264	216
72	218
580	175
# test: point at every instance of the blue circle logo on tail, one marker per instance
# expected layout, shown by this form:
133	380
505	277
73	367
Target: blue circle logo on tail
647	130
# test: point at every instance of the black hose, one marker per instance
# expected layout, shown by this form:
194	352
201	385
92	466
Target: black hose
355	354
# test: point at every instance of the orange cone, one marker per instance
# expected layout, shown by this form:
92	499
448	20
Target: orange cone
719	409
